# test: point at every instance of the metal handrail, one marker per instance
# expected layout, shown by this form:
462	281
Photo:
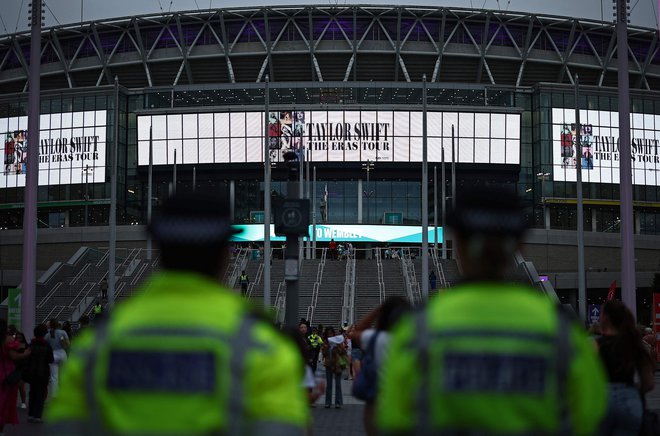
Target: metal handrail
317	286
381	281
256	281
406	278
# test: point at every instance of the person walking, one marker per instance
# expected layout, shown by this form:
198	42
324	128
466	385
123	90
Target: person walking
245	281
490	357
625	357
185	354
19	337
59	342
315	342
432	281
104	288
334	355
372	334
37	373
332	247
9	355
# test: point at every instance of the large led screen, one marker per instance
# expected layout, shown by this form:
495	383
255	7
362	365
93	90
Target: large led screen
600	147
71	149
328	136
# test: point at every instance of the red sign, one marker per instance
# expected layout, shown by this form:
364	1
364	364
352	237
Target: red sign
656	323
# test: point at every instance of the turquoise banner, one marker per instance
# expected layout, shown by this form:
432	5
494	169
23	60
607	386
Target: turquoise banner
347	233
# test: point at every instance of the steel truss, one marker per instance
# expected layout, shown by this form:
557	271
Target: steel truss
330	43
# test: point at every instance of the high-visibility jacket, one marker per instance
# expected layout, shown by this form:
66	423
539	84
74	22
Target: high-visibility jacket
315	340
97	309
186	357
490	358
244	279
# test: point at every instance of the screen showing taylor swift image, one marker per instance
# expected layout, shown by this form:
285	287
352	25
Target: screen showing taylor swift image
285	132
15	152
329	136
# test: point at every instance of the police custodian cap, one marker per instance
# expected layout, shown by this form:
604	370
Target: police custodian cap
193	218
490	210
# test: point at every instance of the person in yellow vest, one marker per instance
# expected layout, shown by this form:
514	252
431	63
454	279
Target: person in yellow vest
490	356
245	281
185	355
315	341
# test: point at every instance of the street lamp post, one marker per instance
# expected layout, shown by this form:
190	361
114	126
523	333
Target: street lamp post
543	177
369	165
87	170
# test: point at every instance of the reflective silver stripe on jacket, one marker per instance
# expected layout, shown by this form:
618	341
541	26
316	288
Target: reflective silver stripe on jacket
239	342
561	341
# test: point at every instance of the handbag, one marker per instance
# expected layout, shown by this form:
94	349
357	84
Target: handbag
13	378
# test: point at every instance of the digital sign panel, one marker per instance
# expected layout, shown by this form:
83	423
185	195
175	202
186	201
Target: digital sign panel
600	147
72	148
329	136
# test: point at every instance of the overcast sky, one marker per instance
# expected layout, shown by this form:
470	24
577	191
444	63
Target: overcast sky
15	17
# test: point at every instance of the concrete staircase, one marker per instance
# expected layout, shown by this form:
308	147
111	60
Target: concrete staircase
367	291
331	294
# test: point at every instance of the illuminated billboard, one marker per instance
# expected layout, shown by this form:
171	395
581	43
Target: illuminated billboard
71	149
346	233
329	136
600	147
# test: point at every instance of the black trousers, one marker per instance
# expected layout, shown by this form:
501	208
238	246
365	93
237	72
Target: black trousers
37	398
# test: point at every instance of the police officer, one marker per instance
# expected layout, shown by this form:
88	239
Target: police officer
315	342
244	280
188	356
490	356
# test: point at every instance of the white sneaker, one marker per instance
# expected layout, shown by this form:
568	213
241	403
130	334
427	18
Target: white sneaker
23	406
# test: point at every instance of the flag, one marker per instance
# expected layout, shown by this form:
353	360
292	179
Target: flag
612	291
325	193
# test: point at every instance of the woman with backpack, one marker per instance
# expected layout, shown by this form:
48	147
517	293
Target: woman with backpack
374	343
335	361
37	372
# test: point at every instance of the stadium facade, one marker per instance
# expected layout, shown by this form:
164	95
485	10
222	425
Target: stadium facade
346	87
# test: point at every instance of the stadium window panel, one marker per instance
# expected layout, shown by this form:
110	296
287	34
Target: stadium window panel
415	149
174	127
143	126
434	149
513	126
498	126
402	148
512	152
434	124
498	151
205	126
221	146
174	146
482	125
206	150
254	150
190	151
415	124
465	151
466	125
237	125
401	124
189	126
159	126
237	150
482	150
221	122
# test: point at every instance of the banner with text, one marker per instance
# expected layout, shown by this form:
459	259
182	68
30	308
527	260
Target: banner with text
71	149
329	136
346	233
600	147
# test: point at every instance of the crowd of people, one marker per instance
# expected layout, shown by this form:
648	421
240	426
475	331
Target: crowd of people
29	371
191	356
